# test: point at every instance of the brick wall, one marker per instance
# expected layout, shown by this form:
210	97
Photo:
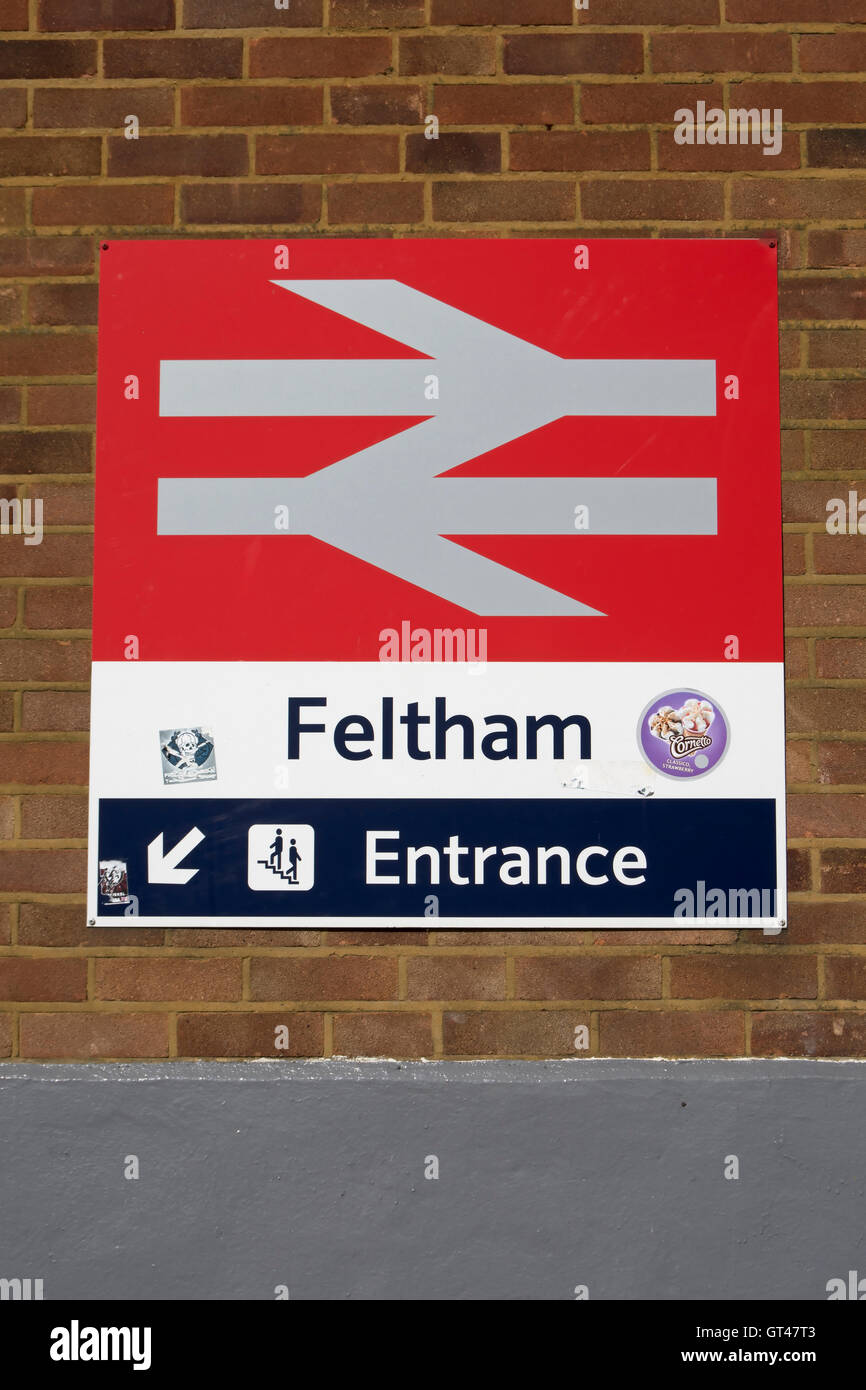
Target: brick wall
256	120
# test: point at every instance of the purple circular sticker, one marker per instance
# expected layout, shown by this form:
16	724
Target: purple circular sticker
683	733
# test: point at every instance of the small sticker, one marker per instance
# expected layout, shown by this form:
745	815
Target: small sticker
188	755
683	733
113	881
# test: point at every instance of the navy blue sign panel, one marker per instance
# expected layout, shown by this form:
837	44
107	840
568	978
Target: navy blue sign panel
308	860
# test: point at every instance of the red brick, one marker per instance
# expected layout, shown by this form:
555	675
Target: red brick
62	305
5	927
43	871
814	297
53	817
67	16
38	660
836	149
10	405
52	980
826	923
838	450
823	400
13	107
563	150
843	249
362	56
826	709
838	347
13	15
573	54
805	500
46	255
794	199
56	710
588	977
793	450
49	607
464	103
249	1035
843	659
23	156
81	205
327	154
840	52
744	977
371	204
374	105
826	605
47	354
164	980
59	925
40	763
174	57
101	108
5	1019
794	551
839	554
49	451
61	405
843	871
671	1034
40	58
819	103
502	12
6	710
721	53
11	304
669	200
250	14
644	103
793	11
274	204
210	156
719	157
75	1035
522	1033
248	105
12	208
378	14
788	1033
457	55
845	977
57	556
7	827
383	1035
841	762
515	201
455	977
798	763
323	977
457	152
644	12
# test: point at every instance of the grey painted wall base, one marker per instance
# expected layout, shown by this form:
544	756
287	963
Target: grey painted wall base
608	1174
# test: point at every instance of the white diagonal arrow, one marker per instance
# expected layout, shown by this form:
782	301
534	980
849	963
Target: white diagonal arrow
162	867
387	504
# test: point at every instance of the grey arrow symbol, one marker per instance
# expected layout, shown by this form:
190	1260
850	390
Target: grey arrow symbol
387	504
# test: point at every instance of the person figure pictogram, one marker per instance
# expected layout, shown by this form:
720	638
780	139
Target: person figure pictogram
294	860
276	859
